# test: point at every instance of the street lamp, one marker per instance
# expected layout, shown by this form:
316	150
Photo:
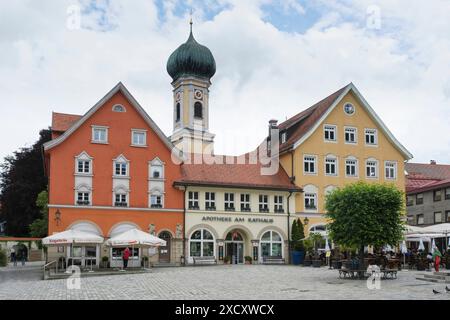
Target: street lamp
306	221
57	216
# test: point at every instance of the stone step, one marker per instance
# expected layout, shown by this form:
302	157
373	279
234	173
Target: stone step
442	273
429	280
434	276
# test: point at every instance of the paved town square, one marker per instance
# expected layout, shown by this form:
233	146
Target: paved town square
255	282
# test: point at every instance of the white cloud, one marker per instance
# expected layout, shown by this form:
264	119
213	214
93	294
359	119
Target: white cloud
262	72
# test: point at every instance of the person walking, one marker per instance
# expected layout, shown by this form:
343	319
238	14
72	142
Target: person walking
23	256
13	257
125	257
437	258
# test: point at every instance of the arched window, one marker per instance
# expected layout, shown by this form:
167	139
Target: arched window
271	244
234	236
118	108
198	110
178	112
201	244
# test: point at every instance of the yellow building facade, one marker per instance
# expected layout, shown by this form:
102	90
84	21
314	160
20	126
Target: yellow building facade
338	141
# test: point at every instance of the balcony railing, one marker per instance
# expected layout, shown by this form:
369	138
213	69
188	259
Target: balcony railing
83	202
156	205
194	207
210	208
246	209
311	206
229	208
279	210
263	209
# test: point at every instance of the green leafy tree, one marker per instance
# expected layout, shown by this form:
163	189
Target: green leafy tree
39	228
298	234
365	214
22	178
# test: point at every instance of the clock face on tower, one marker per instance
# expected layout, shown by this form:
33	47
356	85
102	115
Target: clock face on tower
198	94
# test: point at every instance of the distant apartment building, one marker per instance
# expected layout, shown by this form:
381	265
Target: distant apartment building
428	193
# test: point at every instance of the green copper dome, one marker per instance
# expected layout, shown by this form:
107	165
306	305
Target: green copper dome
191	59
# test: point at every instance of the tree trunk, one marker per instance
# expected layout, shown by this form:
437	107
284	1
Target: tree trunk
361	261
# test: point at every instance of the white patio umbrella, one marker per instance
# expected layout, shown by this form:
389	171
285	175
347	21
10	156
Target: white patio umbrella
421	246
71	237
135	238
403	250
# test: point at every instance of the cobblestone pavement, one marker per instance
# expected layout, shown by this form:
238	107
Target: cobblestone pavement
220	282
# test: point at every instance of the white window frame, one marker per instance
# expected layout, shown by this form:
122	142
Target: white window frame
355	133
356	164
210	200
278	203
153	195
420	216
392	166
94	128
372	164
229	201
121	195
84	191
330	128
244	203
336	168
283	137
193	200
307	199
312	159
83	157
371	131
263	203
138	131
121	164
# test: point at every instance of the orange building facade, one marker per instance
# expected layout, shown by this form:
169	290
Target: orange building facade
111	170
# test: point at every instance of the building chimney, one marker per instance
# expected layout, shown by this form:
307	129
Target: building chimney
432	161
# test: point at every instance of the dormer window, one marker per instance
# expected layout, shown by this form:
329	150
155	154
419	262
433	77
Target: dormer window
198	110
283	137
118	108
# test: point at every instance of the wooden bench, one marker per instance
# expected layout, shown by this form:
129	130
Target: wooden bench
204	260
273	260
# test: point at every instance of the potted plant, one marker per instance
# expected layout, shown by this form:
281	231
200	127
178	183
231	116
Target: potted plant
308	259
105	262
248	260
226	260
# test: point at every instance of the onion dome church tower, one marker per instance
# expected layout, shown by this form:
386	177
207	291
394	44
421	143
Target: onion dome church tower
191	67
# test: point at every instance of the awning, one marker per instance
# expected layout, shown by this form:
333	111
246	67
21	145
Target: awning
440	228
136	238
72	236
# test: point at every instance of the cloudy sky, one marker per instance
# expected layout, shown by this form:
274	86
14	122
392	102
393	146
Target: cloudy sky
274	58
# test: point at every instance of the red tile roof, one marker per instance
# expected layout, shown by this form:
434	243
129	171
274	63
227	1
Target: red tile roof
302	122
425	177
235	175
61	122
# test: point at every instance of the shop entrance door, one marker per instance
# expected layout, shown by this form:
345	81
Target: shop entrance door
234	248
164	252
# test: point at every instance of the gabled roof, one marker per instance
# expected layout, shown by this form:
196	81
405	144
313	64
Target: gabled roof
61	122
237	174
303	124
423	177
120	87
